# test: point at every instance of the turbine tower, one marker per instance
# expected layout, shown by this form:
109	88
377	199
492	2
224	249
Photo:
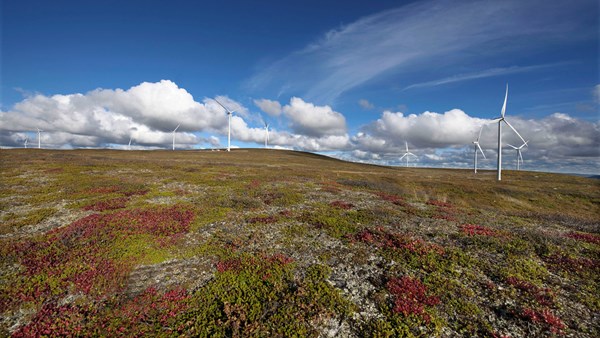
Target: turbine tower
174	130
406	154
229	113
39	138
266	135
477	147
26	140
500	120
519	155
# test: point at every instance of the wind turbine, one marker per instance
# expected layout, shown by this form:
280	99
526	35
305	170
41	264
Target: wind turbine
477	146
174	130
407	153
519	156
39	138
229	113
129	145
26	140
500	120
266	135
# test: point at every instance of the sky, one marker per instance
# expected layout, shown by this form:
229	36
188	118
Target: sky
357	80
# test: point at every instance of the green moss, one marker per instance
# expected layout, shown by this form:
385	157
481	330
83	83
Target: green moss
33	217
525	269
255	299
142	249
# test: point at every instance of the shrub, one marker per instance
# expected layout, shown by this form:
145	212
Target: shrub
411	297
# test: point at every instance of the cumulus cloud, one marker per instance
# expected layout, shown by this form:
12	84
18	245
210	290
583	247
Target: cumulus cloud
273	108
147	112
316	121
444	140
427	130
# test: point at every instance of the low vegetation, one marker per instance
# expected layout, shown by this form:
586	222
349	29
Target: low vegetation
278	243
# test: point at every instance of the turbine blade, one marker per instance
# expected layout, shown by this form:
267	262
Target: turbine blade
406	143
174	130
403	156
220	104
524	144
521	157
510	145
504	105
513	128
480	130
481	150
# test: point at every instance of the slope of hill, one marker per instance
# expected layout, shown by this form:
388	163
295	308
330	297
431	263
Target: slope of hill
278	243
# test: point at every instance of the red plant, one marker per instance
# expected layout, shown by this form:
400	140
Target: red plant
543	296
286	213
383	239
571	264
410	297
234	264
79	255
397	200
280	258
342	205
440	204
553	322
111	204
589	238
146	314
473	229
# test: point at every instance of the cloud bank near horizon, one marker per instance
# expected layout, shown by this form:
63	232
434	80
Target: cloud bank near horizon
149	112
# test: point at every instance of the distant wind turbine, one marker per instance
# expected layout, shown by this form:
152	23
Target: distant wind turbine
406	154
229	113
500	120
26	140
39	138
519	155
266	135
174	130
129	145
477	147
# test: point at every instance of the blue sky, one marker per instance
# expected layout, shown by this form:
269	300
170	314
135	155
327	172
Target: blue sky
355	79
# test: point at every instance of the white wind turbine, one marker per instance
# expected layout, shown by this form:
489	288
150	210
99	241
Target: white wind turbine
174	130
26	140
500	120
519	155
406	154
229	113
129	145
39	138
477	147
266	135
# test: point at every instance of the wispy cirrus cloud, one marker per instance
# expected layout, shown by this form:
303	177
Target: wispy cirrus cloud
414	37
483	74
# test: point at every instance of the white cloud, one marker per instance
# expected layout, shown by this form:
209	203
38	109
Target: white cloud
273	108
415	36
365	104
316	121
482	74
596	93
148	112
429	129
